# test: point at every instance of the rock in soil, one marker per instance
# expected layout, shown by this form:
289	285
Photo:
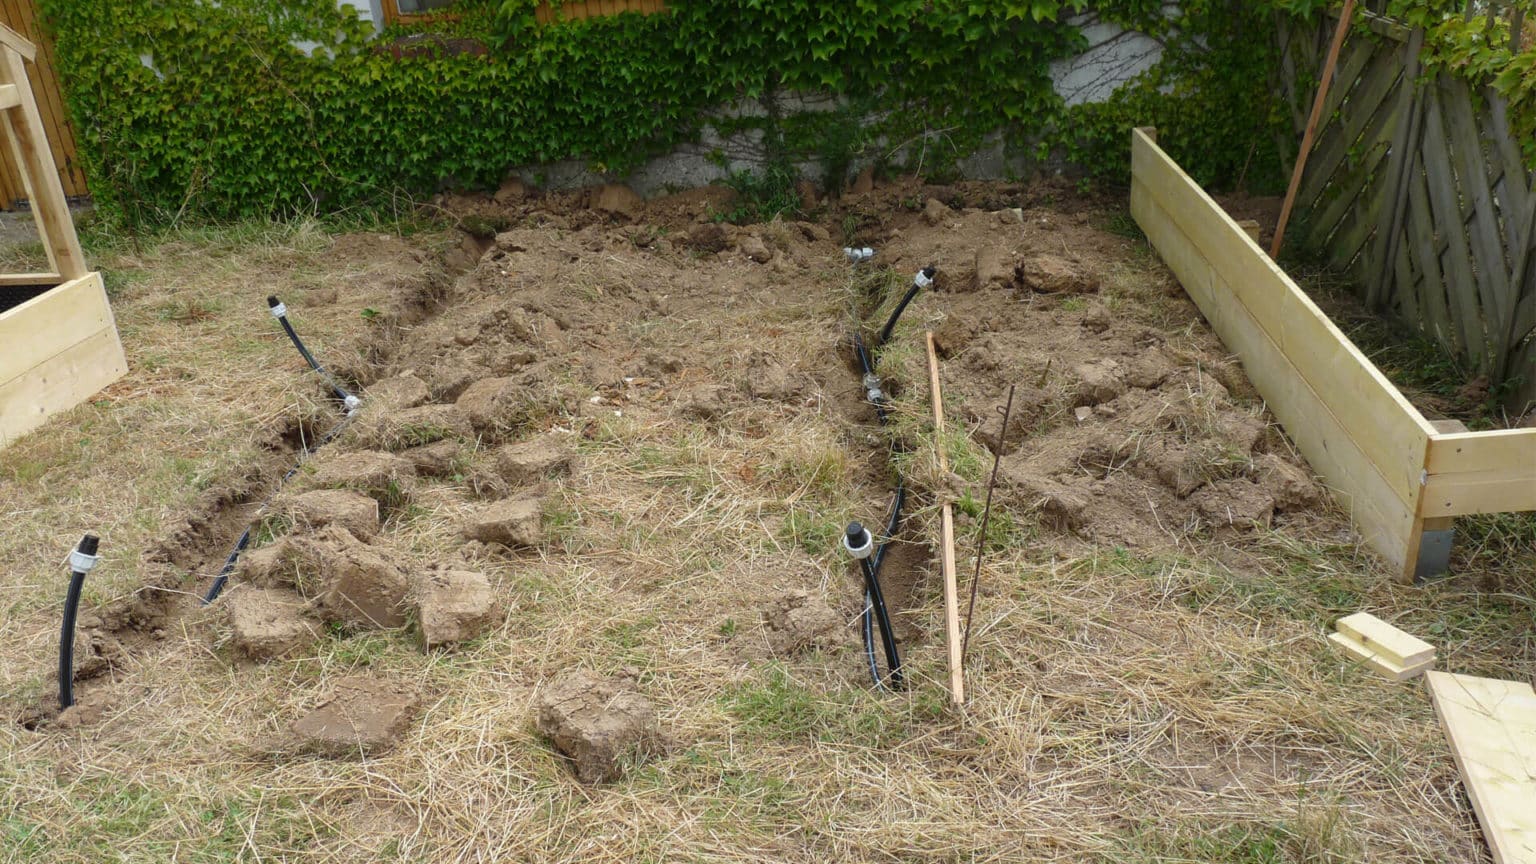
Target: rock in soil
353	511
514	522
363	715
363	589
454	606
384	477
527	462
266	624
437	459
799	621
598	724
1051	274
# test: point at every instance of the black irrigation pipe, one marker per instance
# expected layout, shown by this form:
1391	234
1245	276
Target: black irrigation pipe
349	401
856	539
81	560
280	312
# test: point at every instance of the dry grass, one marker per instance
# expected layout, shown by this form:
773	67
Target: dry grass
1128	707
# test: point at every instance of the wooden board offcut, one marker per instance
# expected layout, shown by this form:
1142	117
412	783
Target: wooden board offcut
1402	648
1491	725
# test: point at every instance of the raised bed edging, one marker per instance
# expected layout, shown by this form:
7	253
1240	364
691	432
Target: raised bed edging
1400	478
55	351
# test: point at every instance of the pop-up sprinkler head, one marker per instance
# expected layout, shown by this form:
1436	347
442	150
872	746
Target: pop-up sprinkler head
924	277
856	256
84	557
858	542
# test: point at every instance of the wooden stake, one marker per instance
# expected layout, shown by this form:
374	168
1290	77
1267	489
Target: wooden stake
951	587
1312	121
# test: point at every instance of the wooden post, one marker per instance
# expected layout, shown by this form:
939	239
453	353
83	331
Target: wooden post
951	586
1312	121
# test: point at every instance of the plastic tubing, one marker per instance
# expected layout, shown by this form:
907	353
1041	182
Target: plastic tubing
81	560
922	280
280	312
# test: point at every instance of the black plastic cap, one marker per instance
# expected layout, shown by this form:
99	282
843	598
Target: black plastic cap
856	534
272	301
929	271
89	543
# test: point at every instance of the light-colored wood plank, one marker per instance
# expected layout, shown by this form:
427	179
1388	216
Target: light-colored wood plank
1491	726
1512	450
1464	493
30	279
51	323
18	43
10	97
947	527
36	161
1379	420
1393	671
1402	648
1385	519
59	383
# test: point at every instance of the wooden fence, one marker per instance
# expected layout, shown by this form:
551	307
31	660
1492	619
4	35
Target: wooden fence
23	17
1416	186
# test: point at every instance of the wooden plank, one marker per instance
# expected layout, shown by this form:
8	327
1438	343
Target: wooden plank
1491	726
1392	670
1384	518
50	323
1404	155
1447	328
1462	494
1467	151
53	219
9	97
61	381
1368	111
1446	221
18	43
1387	641
1350	187
951	585
1498	450
7	279
1377	416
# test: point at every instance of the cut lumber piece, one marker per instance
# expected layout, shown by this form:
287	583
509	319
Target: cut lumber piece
1392	671
1491	725
1386	641
951	585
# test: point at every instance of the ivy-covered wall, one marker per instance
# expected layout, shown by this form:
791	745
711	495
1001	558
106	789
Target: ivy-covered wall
196	108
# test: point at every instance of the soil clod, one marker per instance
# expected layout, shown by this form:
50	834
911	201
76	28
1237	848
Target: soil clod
598	724
514	522
454	606
363	715
267	624
800	621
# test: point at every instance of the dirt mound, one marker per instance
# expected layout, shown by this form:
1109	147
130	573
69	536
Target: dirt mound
318	508
384	477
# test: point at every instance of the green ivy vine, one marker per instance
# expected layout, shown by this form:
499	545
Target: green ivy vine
186	108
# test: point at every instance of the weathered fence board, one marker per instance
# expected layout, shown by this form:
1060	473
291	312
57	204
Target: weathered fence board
1424	163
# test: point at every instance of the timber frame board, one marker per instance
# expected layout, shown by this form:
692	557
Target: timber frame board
58	340
1401	478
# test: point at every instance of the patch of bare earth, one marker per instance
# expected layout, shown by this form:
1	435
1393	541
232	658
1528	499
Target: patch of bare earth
568	588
